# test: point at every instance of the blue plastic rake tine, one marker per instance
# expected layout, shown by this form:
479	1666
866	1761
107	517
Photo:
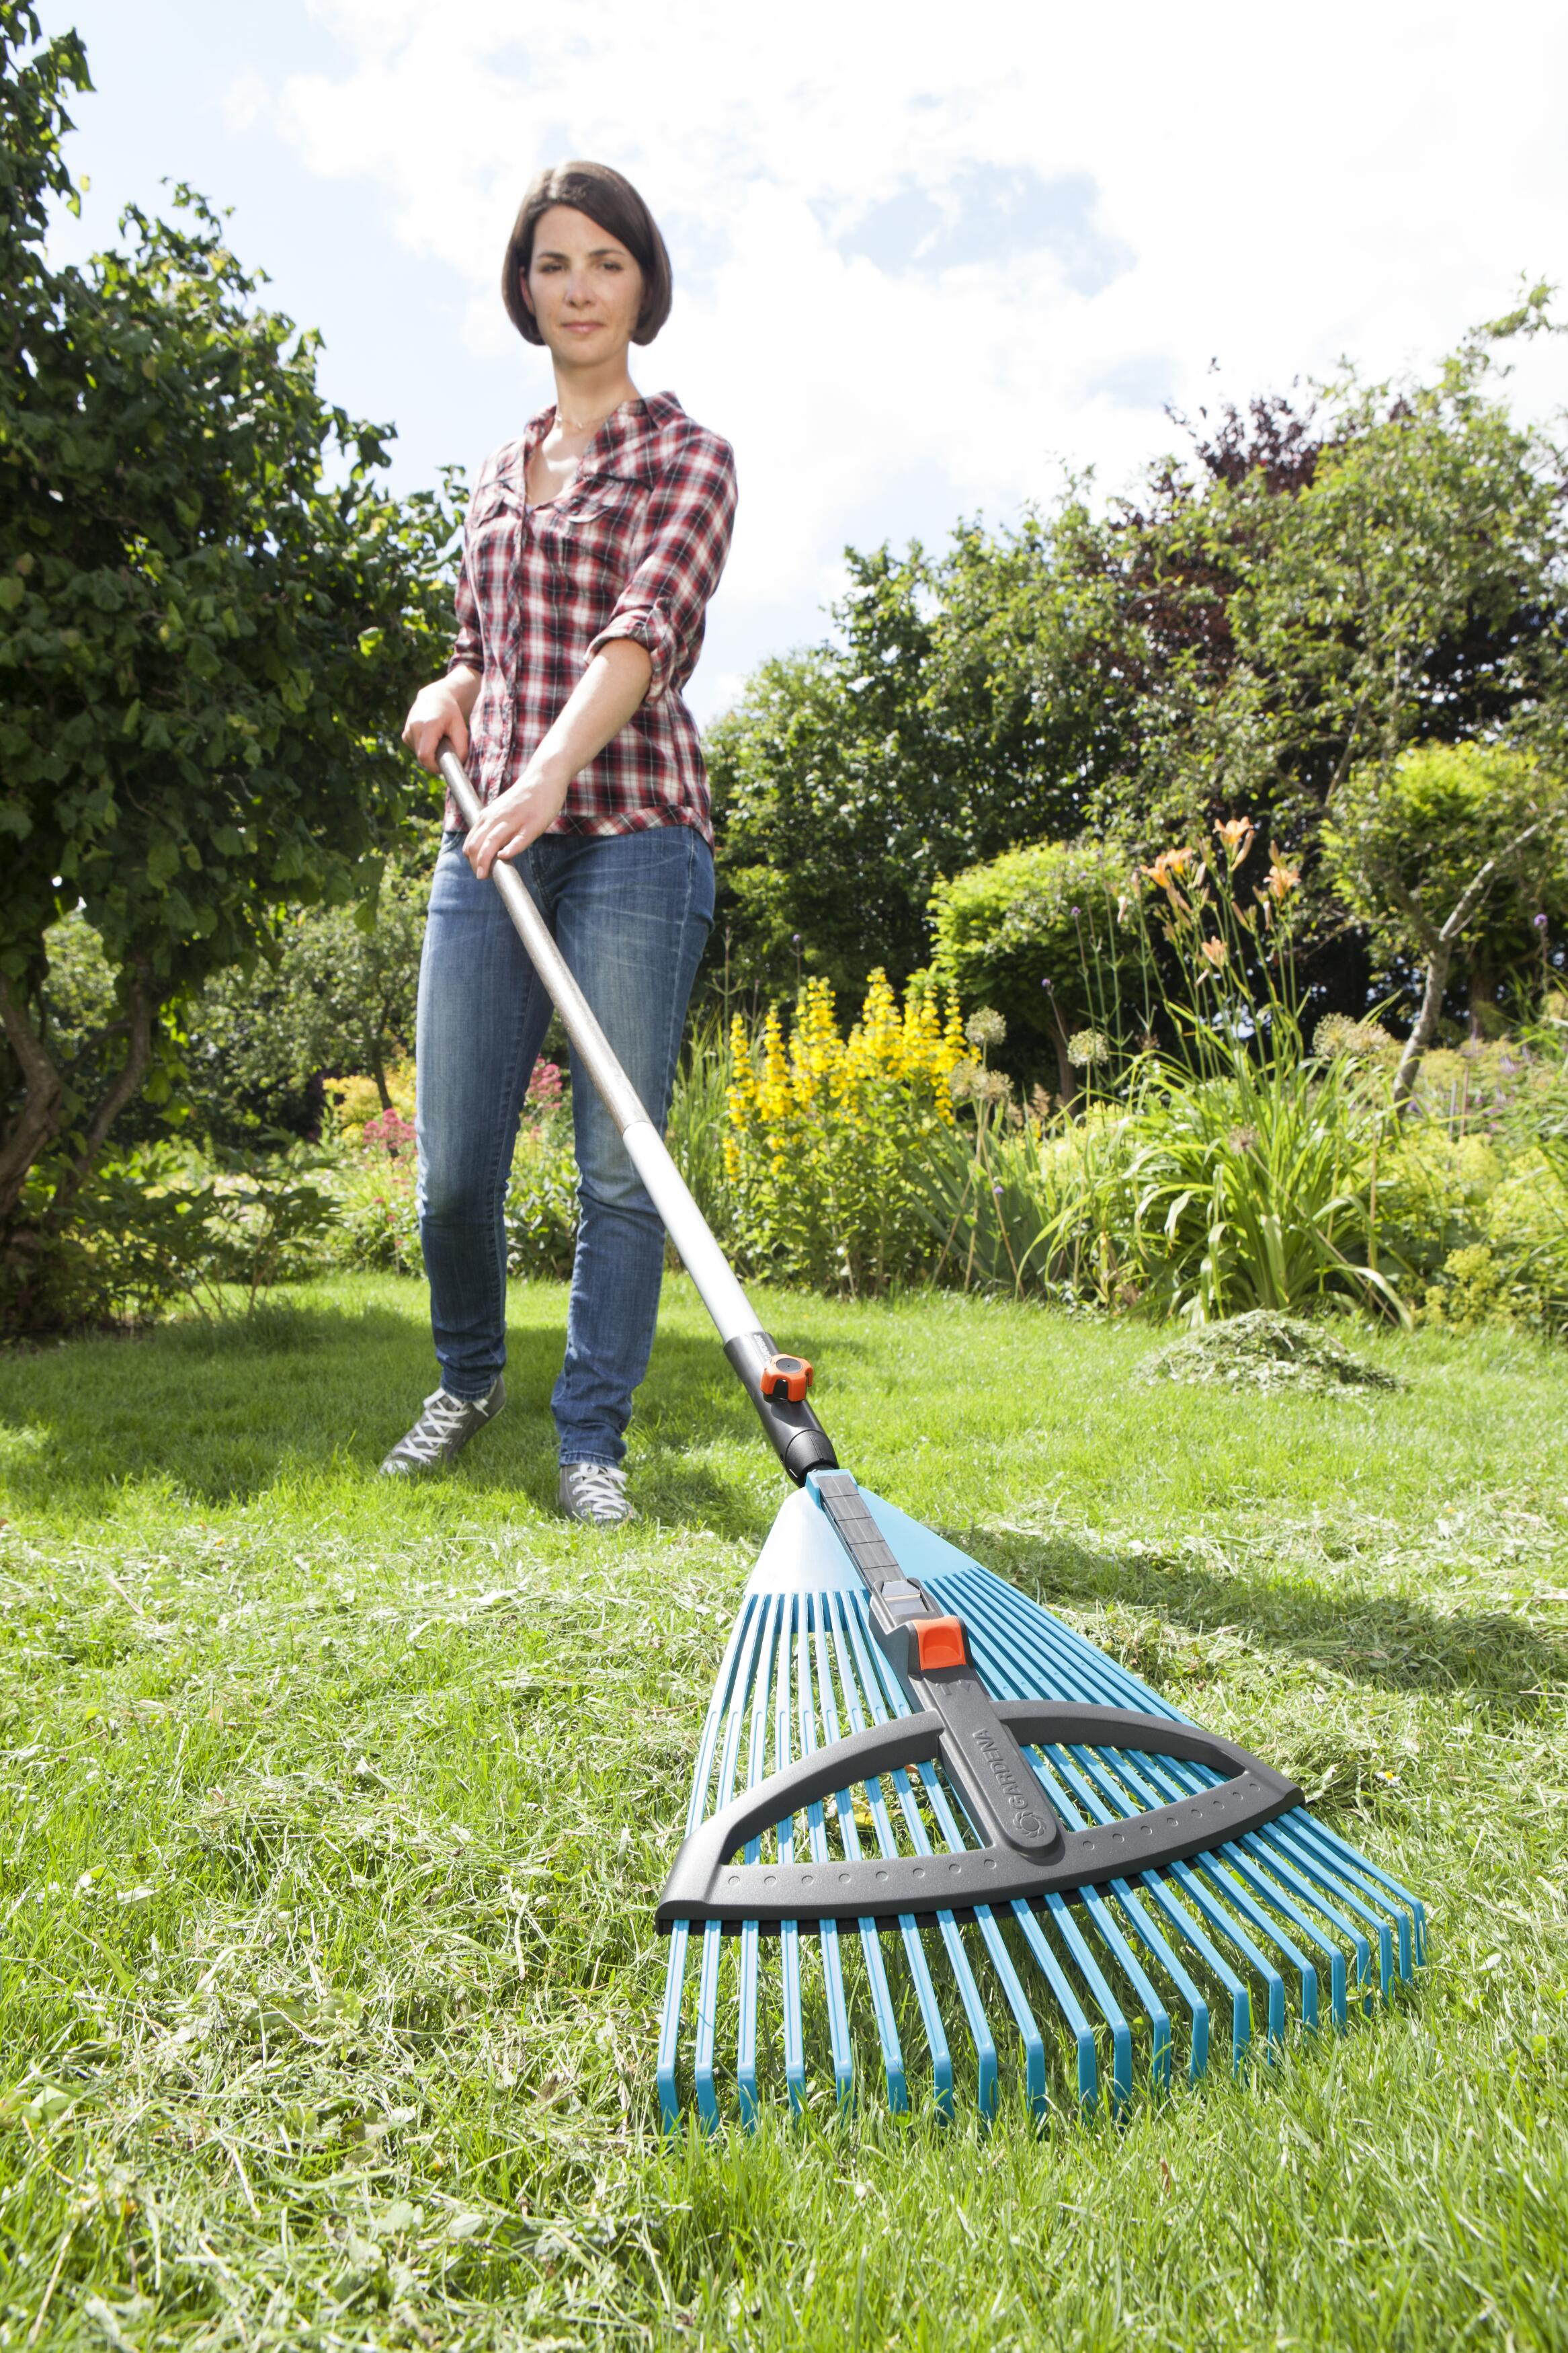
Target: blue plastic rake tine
1057	1647
670	2028
789	1933
1229	1888
1100	1915
870	1945
827	1932
1183	1926
1256	1887
1277	1858
1304	1838
1198	2009
1193	1933
746	2031
880	1700
675	1975
1099	1911
712	1934
1328	1889
1221	1922
1043	1644
1072	2009
1409	1914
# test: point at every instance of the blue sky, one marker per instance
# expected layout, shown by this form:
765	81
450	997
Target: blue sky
920	269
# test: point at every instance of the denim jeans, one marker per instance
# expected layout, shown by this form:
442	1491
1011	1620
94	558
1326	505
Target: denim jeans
630	913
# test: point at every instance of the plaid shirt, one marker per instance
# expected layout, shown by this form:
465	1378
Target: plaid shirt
633	548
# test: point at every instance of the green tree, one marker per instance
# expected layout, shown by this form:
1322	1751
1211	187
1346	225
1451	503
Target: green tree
1413	591
1418	848
852	775
208	612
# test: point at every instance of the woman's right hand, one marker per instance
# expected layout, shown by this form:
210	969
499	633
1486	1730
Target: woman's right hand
436	711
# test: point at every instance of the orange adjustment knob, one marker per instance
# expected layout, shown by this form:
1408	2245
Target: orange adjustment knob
938	1642
786	1378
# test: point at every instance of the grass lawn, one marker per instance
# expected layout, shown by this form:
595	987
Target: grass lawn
334	1811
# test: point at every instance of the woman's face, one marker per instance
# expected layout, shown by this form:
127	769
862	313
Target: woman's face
584	288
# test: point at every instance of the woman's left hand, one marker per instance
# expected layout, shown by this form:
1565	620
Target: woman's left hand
514	819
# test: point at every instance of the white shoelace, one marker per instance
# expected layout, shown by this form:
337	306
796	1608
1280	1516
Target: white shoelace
597	1490
441	1419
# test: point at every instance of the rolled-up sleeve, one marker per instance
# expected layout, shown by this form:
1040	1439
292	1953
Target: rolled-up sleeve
685	541
468	645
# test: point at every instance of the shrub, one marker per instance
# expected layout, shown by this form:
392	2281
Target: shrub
1041	934
828	1135
156	1226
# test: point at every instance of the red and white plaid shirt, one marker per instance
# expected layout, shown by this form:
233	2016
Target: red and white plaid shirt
633	548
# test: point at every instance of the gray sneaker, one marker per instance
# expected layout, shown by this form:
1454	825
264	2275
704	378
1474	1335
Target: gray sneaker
442	1430
596	1492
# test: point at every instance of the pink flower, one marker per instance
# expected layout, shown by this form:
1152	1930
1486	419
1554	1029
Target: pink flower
394	1134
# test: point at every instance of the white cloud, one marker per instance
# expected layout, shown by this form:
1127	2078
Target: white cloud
1224	181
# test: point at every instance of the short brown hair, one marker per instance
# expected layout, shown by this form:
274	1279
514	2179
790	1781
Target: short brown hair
616	206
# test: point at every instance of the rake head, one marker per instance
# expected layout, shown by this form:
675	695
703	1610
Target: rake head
1043	1986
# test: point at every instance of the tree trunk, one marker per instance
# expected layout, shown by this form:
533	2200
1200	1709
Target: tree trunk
378	1072
1439	948
38	1122
1425	1029
127	1079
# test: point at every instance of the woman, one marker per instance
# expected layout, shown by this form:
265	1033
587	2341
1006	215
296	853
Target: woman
591	547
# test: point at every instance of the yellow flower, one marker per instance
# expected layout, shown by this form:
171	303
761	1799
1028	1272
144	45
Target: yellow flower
1216	952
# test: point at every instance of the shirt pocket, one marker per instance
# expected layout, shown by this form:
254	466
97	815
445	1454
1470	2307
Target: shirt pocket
589	533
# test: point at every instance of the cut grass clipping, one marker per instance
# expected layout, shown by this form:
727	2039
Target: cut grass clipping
332	1814
1267	1350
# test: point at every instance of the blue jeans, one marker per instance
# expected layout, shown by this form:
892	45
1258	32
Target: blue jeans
630	913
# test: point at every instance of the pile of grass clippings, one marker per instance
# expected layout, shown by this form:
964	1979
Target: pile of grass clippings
1265	1350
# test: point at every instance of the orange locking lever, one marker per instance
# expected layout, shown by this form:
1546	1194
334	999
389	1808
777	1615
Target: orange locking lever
938	1642
786	1379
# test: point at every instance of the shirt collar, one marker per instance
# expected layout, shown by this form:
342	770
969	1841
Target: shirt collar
622	449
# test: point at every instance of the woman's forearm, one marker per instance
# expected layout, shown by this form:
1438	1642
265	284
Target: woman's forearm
599	706
464	686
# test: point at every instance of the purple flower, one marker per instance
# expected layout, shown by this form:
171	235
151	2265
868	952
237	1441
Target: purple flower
997	1190
1540	923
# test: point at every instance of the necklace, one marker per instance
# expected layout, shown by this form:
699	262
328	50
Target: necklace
589	426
